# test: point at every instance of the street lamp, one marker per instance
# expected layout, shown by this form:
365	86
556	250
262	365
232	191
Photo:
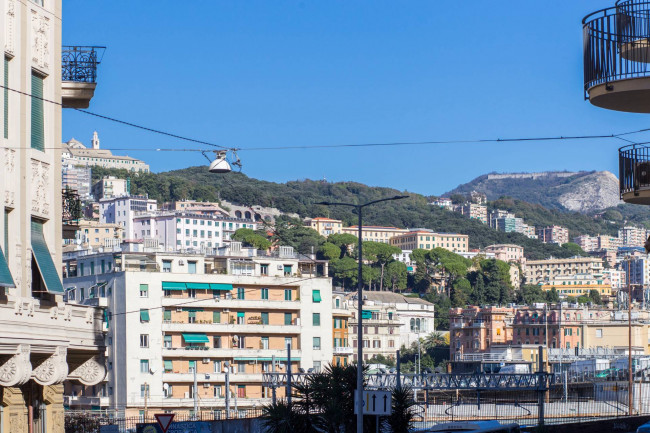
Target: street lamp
359	207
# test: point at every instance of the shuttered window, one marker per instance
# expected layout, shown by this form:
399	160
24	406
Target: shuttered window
44	260
38	124
6	99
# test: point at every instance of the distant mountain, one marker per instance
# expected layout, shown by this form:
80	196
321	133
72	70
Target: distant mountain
584	192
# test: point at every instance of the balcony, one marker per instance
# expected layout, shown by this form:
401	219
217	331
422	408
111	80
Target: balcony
342	351
86	402
227	353
231	328
634	174
79	75
616	54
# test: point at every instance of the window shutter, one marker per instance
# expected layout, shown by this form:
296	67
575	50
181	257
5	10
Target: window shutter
38	124
6	99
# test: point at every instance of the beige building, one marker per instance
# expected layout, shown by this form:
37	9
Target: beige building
110	186
553	234
325	226
475	211
579	285
507	252
74	152
234	311
375	233
44	341
427	240
95	234
541	271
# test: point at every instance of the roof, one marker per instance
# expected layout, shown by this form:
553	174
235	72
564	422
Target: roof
390	298
504	246
374	227
323	219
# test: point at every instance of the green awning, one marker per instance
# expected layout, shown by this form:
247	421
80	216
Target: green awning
277	358
193	309
198	286
316	295
168	365
169	285
5	276
240	314
44	260
217	286
365	314
144	315
195	338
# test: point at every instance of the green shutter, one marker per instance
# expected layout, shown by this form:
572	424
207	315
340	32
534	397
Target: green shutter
365	314
216	317
6	103
240	314
316	296
167	315
168	365
265	318
5	276
38	124
144	315
143	287
44	260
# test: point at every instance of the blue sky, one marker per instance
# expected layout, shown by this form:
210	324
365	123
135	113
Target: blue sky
276	73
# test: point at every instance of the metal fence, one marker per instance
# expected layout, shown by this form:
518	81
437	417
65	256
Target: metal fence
91	421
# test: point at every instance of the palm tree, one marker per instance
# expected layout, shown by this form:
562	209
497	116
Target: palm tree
278	418
432	340
403	410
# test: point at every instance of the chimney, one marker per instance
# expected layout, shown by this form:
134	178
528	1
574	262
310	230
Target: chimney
95	141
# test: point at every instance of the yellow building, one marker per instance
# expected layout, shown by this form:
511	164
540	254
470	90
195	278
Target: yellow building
427	240
578	285
342	349
375	233
544	271
325	226
95	233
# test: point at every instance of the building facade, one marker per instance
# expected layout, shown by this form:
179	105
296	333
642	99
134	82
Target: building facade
475	330
44	341
325	226
428	239
110	186
122	211
507	252
475	211
541	271
341	313
78	179
75	153
95	234
579	285
375	233
173	315
553	234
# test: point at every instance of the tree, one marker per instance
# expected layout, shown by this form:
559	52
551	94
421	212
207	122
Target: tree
344	241
291	232
529	294
329	251
402	418
552	296
381	254
574	249
397	275
594	296
251	239
344	270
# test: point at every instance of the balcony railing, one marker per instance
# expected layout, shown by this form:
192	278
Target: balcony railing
79	63
634	170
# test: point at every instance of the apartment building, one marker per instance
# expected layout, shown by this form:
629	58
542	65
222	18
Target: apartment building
78	179
475	329
110	186
443	202
341	313
637	271
631	236
122	210
475	211
44	341
541	271
95	234
172	315
375	233
616	278
587	243
325	226
553	234
507	252
428	239
187	230
496	214
579	285
389	321
76	153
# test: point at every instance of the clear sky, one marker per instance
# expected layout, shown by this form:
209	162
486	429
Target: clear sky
275	73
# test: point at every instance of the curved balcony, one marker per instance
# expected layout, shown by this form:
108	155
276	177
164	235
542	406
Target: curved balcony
79	74
617	56
634	174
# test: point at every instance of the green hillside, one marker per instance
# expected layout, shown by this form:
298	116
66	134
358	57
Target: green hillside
299	197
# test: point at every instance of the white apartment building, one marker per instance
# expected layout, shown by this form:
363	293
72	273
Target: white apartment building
586	242
389	321
542	271
122	210
110	186
615	277
43	341
77	179
174	314
507	252
632	236
187	230
443	202
475	211
76	153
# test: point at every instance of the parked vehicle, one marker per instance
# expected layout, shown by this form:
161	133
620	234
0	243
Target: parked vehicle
473	427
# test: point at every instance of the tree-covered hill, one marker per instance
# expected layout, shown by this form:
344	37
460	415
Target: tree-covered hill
299	197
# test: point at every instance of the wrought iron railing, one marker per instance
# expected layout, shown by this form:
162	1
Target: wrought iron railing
605	32
79	63
633	168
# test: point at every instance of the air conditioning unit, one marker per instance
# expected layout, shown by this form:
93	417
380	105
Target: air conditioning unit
206	385
187	394
206	360
179	309
280	267
226	310
181	263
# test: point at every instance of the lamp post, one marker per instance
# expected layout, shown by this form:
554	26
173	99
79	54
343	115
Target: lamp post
359	207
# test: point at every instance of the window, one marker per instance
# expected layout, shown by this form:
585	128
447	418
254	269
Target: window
144	366
265	318
264	269
167	315
265	293
287	270
167	266
316	319
287	294
287	318
191	317
316	296
241	294
168	366
144	340
192	366
37	120
265	342
144	290
217	342
288	342
599	333
191	293
143	389
217	367
241	391
144	316
167	341
241	318
216	317
191	267
316	343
